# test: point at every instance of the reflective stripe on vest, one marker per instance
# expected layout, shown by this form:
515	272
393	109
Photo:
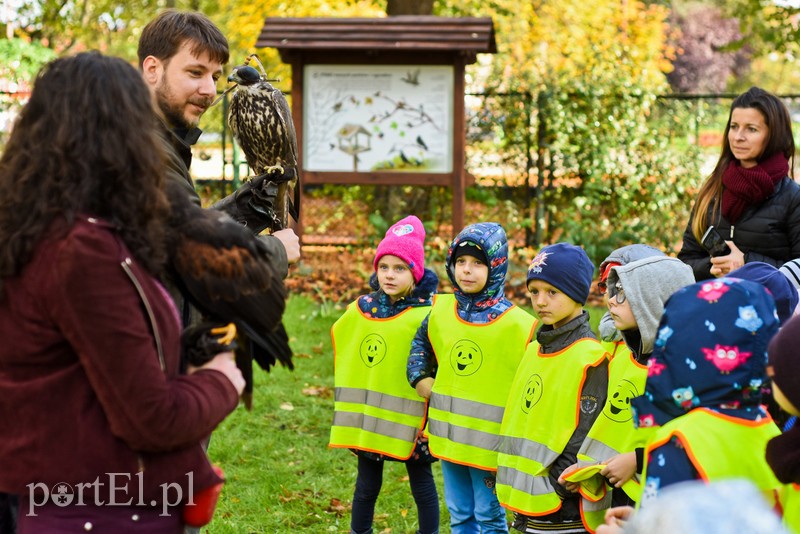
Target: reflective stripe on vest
374	407
541	415
593	513
471	387
722	447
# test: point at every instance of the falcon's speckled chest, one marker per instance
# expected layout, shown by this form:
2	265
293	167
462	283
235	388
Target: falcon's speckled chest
261	122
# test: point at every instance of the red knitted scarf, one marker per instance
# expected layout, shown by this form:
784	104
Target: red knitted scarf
747	187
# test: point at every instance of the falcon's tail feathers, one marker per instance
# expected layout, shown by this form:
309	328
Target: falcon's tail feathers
268	348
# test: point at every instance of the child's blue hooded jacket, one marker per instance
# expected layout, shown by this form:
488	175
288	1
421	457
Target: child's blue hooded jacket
480	308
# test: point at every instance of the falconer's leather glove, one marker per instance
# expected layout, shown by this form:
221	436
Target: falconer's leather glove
253	204
202	341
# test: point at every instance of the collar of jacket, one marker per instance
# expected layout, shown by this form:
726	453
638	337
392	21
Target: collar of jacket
189	136
182	140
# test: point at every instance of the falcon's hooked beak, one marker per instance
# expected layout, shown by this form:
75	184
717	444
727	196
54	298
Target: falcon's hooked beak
241	75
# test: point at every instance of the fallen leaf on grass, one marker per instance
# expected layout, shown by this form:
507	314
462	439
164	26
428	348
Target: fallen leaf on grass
403	513
288	406
336	507
318	348
322	392
304	494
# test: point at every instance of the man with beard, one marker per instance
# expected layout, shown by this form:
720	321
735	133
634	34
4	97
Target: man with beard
181	56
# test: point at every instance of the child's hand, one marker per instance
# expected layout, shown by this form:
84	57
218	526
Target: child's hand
569	486
620	469
615	520
424	387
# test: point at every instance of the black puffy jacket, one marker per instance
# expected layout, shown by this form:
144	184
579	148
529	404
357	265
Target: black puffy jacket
768	232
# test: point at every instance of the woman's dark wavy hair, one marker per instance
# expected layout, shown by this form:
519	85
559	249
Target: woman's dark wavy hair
87	143
779	139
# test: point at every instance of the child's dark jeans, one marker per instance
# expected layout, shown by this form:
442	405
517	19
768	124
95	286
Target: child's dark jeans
368	486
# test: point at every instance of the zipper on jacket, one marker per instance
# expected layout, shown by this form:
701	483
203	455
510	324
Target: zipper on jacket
126	266
731	236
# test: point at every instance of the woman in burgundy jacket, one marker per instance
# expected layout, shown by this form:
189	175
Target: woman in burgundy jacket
98	430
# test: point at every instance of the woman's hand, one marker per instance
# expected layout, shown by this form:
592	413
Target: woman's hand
424	387
722	265
225	363
620	469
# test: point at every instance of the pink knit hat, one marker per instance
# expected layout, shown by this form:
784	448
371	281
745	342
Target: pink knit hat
405	239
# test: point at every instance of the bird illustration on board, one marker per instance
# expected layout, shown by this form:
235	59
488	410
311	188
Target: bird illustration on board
411	77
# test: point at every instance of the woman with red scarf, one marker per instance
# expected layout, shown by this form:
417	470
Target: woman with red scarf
750	197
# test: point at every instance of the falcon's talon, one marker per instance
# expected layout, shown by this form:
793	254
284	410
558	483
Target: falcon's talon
227	333
274	169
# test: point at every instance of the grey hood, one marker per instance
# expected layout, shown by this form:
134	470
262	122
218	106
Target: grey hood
623	255
648	283
630	253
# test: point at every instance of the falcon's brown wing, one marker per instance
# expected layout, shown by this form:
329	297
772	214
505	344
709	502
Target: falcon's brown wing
226	272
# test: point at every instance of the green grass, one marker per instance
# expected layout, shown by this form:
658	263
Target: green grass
281	474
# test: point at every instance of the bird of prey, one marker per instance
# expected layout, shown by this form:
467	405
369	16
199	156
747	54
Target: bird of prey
227	273
261	122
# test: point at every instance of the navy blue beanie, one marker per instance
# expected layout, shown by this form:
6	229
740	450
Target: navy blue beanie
777	284
565	267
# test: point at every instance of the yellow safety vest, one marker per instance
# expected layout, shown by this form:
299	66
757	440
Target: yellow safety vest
614	433
541	415
374	407
613	348
722	447
790	500
476	365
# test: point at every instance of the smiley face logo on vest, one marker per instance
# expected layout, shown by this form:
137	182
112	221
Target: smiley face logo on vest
466	357
532	393
618	407
373	350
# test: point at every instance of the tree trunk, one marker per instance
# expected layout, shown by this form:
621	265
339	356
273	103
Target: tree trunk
409	7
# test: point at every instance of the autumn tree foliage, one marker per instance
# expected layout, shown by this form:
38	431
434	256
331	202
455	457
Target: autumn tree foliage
580	119
707	55
568	121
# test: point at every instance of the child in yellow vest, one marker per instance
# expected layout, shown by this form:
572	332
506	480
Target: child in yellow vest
375	414
556	395
783	452
704	389
636	293
463	358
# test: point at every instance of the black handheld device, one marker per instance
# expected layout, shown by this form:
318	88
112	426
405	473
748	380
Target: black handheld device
714	243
